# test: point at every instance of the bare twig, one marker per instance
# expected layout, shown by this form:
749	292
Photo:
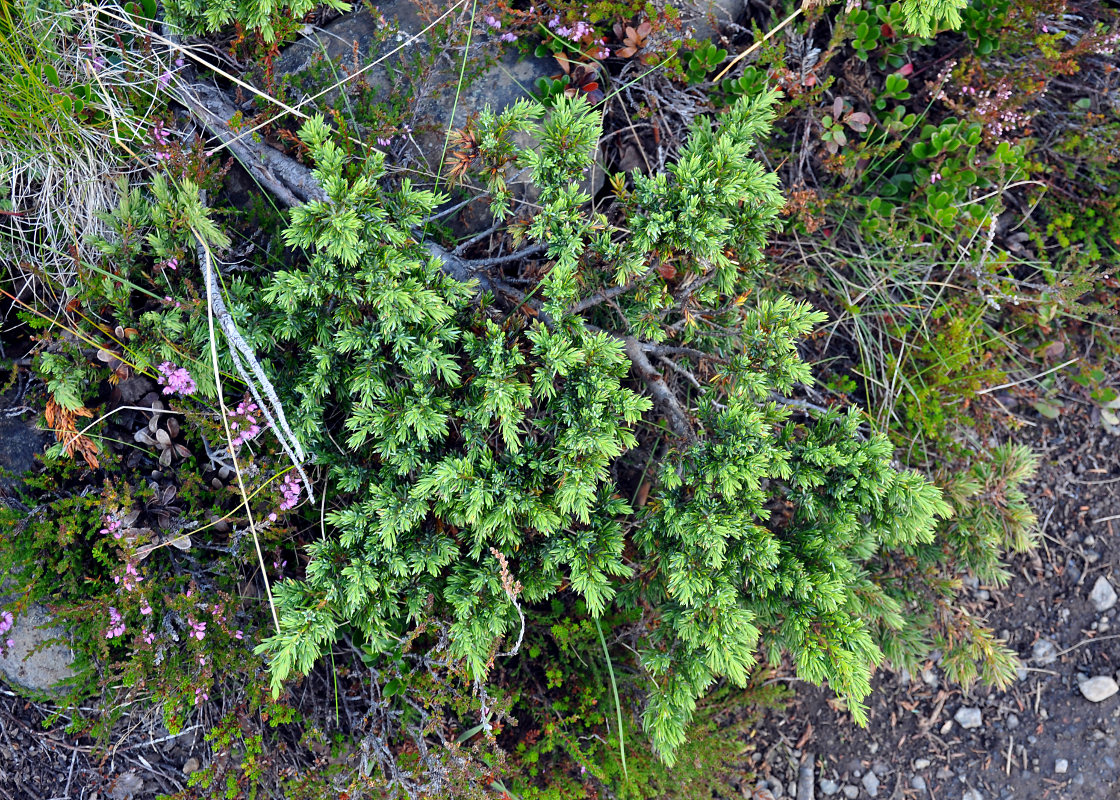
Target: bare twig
662	394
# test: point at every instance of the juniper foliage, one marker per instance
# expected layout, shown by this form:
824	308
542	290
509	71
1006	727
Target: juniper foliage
462	428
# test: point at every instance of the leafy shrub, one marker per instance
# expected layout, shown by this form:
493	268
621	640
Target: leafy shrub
468	438
266	17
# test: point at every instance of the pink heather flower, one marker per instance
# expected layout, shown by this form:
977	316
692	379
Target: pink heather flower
180	63
492	21
200	695
198	629
145	609
238	634
171	263
112	526
116	624
604	52
935	177
150	637
131	577
6	621
508	37
164	79
176	379
245	423
384	141
291	490
272	517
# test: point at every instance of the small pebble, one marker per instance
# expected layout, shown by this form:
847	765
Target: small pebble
192	766
922	763
984	595
971	794
1044	652
948	726
945	774
827	787
969	718
918	782
1061	766
771	784
871	784
850	792
1103	596
1012	722
1099	688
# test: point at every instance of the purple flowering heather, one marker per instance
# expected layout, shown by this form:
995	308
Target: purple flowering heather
176	380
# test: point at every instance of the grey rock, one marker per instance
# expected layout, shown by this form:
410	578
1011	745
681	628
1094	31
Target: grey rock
126	786
850	792
359	39
880	768
721	12
1103	596
1099	688
772	785
969	718
929	677
827	787
945	774
29	664
870	782
922	763
1012	722
1061	766
20	442
805	784
918	782
192	766
972	794
1044	652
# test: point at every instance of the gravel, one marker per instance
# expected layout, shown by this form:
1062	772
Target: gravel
1044	652
969	718
1061	766
850	792
828	788
1103	596
870	782
1099	688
